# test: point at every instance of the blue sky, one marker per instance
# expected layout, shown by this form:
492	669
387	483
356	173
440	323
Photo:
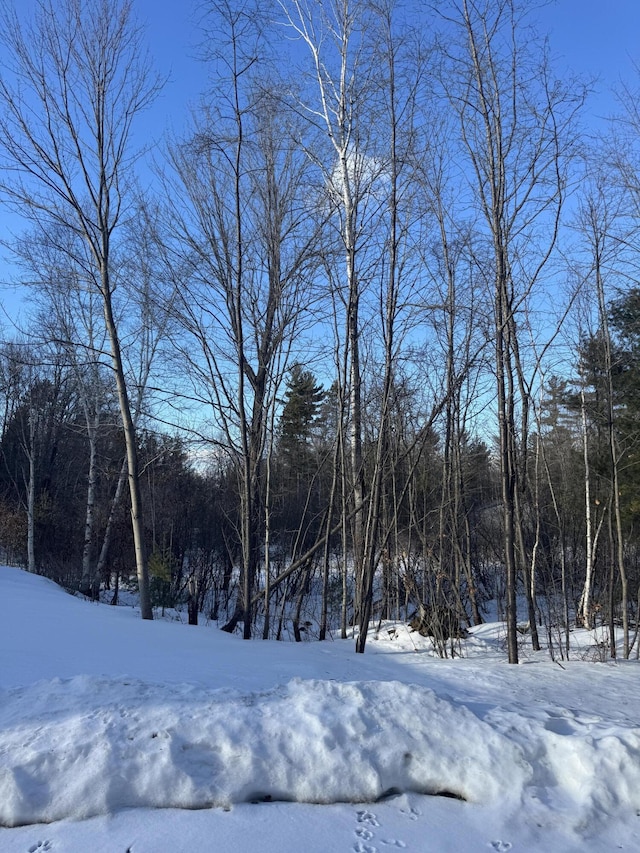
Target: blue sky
596	37
599	38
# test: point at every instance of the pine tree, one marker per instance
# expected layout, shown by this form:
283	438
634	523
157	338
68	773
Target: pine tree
303	397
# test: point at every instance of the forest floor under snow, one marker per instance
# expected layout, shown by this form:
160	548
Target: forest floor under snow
123	735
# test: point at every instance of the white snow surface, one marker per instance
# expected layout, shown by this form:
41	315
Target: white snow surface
118	734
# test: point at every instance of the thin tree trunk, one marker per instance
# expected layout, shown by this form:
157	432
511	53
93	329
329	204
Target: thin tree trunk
507	473
85	583
612	605
31	494
267	541
137	521
584	607
326	565
106	539
617	554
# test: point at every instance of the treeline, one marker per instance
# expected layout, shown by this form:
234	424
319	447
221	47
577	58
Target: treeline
367	347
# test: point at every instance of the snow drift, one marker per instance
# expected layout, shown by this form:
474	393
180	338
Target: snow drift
84	746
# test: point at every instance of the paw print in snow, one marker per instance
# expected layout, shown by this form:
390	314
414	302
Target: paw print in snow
501	846
368	818
40	845
364	833
359	847
412	814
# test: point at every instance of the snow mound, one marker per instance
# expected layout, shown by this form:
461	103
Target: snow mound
85	746
584	768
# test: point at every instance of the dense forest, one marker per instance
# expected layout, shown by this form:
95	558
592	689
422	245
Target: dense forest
362	343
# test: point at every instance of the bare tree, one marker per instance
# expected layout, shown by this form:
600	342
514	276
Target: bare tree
69	318
599	218
400	69
246	246
77	79
340	41
515	123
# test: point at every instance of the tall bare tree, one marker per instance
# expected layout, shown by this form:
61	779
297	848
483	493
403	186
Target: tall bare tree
400	63
339	39
515	122
246	246
77	79
599	220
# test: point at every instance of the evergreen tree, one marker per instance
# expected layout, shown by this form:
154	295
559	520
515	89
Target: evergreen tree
303	398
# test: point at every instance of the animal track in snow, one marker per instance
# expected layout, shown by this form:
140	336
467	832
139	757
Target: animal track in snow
368	818
40	845
411	813
359	847
364	832
501	846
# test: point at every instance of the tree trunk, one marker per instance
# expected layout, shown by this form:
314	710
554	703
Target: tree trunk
137	521
584	607
31	493
85	583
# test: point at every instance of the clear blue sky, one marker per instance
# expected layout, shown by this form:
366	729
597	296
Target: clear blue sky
596	37
591	37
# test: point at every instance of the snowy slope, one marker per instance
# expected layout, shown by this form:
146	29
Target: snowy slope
114	731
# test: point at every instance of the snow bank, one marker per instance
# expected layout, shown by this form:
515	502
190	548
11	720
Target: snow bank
87	746
102	713
584	768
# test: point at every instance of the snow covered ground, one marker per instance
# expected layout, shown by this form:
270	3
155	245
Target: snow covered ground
122	735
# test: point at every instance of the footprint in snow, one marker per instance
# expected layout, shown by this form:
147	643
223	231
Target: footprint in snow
501	846
40	845
368	818
412	814
360	847
364	833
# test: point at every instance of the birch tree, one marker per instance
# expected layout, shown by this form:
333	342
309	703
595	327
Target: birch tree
400	64
331	35
346	44
598	220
